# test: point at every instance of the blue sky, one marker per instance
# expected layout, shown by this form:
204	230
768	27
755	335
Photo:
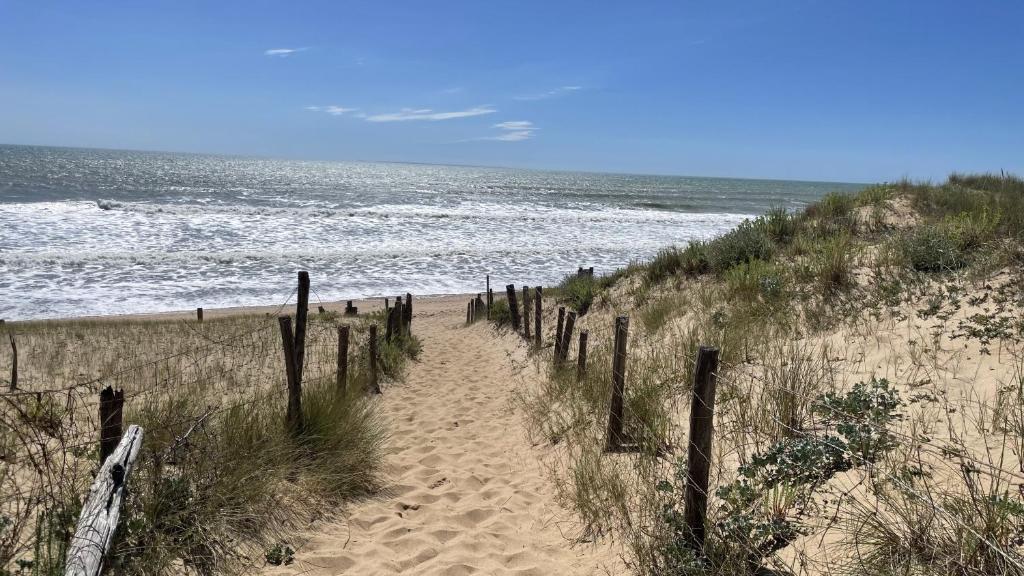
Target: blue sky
830	90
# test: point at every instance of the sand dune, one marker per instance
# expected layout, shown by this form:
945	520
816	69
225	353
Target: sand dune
465	493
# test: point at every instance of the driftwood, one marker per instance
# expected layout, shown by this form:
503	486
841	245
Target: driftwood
102	508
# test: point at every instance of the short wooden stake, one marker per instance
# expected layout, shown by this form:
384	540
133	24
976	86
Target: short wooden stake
301	311
374	382
293	417
350	310
399	317
581	356
469	312
570	323
14	361
615	412
387	304
408	313
513	305
698	459
558	331
199	315
526	313
537	335
342	376
111	413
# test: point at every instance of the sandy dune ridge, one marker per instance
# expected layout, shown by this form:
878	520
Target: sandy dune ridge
465	492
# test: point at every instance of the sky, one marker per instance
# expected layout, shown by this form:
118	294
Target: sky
856	91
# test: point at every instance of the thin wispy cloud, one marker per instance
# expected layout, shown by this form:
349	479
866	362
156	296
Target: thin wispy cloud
426	114
514	131
283	52
332	110
561	90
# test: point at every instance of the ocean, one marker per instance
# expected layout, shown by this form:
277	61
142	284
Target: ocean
90	232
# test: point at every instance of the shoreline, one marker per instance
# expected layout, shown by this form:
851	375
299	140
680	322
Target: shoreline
363	304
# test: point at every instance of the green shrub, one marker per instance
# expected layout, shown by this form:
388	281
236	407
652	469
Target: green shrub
778	224
501	314
931	248
755	279
578	292
745	243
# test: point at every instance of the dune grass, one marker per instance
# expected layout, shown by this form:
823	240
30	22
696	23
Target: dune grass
810	446
220	483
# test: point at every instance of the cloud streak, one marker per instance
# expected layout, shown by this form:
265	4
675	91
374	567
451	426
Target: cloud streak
549	94
332	110
426	114
514	131
282	52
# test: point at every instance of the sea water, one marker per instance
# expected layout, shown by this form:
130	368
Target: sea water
86	232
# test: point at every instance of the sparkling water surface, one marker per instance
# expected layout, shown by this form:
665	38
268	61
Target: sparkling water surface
86	232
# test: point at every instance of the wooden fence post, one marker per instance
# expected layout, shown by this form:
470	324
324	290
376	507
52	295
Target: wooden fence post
374	382
537	335
408	312
615	413
469	312
513	305
14	361
293	417
199	315
526	313
301	311
399	317
342	376
581	357
387	304
570	323
698	458
490	302
111	413
350	310
102	508
558	330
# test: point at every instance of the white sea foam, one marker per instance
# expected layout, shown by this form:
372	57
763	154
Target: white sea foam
95	232
78	258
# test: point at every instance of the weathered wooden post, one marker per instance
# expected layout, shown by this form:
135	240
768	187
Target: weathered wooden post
293	417
558	330
14	361
342	376
199	315
590	272
350	310
490	302
399	317
101	510
111	414
570	323
469	312
408	312
537	335
301	311
581	356
513	305
526	313
374	382
615	412
387	304
698	459
321	310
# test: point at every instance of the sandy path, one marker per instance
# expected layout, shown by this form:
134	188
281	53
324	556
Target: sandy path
465	492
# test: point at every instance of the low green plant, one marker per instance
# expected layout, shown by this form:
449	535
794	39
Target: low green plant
744	243
762	511
577	291
501	314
